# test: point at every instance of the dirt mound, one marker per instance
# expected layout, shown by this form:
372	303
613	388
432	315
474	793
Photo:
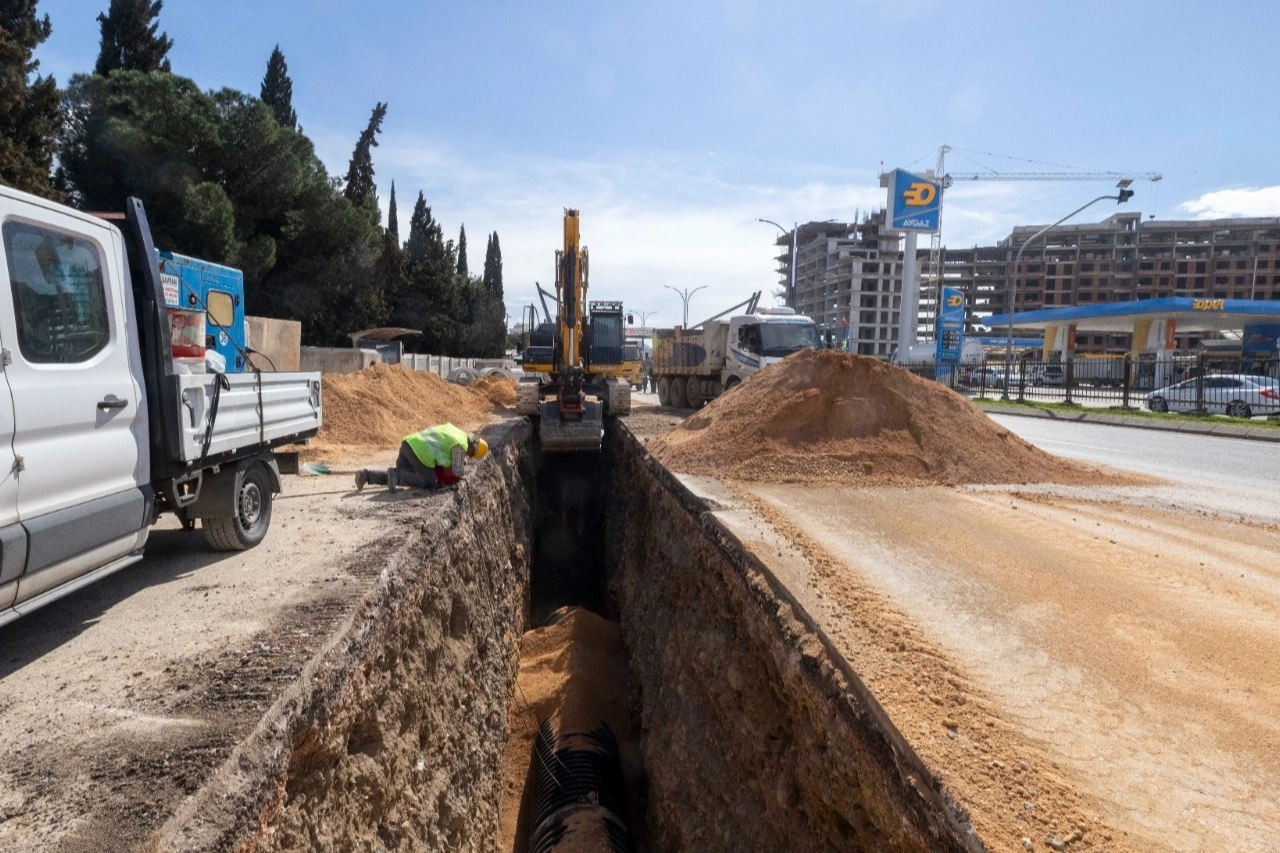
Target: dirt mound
377	407
829	416
500	390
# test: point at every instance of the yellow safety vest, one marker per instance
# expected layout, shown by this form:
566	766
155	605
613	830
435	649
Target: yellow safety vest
434	445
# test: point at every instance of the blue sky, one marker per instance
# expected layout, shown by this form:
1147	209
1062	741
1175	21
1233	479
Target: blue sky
673	126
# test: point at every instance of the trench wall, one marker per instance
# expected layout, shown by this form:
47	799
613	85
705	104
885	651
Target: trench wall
758	736
393	736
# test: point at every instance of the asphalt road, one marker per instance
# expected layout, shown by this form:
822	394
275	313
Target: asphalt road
1227	473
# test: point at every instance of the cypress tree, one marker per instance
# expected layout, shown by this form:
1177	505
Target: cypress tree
129	39
393	220
29	114
419	230
360	186
493	267
277	90
462	251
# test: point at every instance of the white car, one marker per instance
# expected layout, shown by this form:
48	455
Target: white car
990	377
1237	395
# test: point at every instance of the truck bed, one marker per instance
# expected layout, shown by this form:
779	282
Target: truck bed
254	410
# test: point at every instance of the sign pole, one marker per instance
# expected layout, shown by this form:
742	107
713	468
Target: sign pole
909	310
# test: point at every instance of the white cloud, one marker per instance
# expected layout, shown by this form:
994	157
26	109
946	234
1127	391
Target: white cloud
1222	204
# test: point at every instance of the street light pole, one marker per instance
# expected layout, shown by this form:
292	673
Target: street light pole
644	317
1125	195
791	290
684	295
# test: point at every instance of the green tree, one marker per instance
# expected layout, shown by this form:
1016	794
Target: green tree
360	186
277	90
29	115
393	219
493	267
222	180
129	38
462	252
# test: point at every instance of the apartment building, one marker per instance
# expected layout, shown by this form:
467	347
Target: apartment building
1119	259
847	270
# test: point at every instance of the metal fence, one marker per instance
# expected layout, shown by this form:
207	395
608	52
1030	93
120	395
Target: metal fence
1203	384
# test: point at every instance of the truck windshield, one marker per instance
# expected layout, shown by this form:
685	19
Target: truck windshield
782	339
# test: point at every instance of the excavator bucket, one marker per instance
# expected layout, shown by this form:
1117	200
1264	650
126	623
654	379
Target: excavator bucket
581	436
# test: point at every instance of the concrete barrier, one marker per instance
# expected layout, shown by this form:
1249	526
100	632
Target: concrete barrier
336	360
277	344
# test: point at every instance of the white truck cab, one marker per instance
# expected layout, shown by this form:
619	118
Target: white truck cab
765	337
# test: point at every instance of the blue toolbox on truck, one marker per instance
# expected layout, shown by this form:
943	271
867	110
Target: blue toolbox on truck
195	285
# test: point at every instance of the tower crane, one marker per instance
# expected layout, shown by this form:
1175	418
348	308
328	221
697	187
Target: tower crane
947	179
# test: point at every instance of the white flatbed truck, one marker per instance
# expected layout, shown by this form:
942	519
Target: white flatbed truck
99	432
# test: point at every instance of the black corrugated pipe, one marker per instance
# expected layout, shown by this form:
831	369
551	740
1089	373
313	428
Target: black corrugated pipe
578	794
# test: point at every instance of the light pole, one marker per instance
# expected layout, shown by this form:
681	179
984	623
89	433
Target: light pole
644	317
1123	196
791	290
684	295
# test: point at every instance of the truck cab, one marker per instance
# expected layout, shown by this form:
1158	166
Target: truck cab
765	337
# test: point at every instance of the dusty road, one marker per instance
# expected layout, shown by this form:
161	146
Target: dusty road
117	701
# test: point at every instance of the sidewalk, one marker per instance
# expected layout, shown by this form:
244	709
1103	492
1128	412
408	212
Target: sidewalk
1224	430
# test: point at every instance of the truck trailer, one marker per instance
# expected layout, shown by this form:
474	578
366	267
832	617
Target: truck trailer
692	366
102	427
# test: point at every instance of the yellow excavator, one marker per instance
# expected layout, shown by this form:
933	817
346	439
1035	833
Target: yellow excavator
575	359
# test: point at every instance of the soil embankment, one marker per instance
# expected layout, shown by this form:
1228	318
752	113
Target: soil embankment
823	416
370	411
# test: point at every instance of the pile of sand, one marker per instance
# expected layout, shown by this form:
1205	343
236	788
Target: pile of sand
375	408
835	417
499	389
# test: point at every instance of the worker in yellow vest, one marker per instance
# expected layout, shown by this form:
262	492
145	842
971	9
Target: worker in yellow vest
428	460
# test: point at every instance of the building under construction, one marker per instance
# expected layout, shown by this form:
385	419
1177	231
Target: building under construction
1119	259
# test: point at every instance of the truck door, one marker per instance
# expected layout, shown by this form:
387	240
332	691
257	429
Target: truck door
13	539
77	421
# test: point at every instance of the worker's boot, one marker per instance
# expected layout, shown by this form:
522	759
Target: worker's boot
362	479
393	479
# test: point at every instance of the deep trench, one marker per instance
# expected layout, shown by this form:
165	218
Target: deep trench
751	732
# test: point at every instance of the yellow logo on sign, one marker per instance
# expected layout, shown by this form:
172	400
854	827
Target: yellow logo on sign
919	194
1207	304
955	300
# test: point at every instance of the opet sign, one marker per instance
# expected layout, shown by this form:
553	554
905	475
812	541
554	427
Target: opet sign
914	202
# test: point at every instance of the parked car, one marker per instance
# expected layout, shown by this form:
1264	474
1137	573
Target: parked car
1238	395
990	377
1046	374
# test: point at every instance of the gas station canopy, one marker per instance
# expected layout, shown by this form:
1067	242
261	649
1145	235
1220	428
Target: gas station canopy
1191	315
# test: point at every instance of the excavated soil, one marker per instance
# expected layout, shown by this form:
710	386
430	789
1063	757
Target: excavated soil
498	389
377	407
824	416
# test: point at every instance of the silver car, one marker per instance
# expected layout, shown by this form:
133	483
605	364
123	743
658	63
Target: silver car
1237	395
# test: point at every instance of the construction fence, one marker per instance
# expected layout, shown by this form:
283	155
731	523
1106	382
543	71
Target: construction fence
1209	384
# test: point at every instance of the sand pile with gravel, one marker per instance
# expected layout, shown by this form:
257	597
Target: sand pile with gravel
823	416
375	408
500	390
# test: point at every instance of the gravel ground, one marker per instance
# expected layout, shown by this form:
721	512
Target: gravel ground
118	701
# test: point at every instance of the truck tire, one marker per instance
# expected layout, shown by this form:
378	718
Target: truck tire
664	391
678	392
248	526
731	383
693	392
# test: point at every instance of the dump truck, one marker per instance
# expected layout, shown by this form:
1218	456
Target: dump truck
108	415
694	365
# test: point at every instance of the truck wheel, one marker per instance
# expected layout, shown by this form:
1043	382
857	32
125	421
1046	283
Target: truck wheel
693	393
664	391
678	392
731	383
252	517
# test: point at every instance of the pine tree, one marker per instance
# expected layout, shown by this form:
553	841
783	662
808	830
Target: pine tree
462	252
29	114
393	219
129	39
360	186
277	90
